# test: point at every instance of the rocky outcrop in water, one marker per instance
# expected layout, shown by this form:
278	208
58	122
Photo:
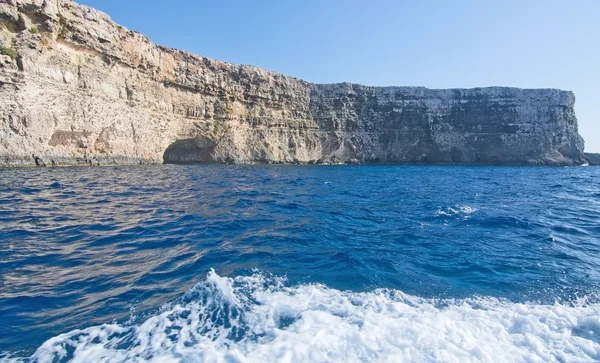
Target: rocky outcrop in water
76	88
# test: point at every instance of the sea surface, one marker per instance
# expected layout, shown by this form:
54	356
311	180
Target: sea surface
300	263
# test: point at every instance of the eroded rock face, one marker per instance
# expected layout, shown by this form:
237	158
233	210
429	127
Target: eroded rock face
76	88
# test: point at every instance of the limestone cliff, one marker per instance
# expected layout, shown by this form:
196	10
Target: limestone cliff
76	88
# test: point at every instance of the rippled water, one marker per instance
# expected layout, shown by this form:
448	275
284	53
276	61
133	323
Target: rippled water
420	263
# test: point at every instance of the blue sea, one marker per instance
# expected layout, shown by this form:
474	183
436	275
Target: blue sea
300	263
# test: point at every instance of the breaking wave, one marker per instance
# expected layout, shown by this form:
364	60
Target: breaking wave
260	318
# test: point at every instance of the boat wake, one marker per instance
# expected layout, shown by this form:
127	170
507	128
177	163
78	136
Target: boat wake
259	318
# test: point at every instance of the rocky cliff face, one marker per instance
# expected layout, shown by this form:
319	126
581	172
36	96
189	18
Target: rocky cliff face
76	88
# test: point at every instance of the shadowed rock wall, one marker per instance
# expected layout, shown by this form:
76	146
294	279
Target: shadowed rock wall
593	159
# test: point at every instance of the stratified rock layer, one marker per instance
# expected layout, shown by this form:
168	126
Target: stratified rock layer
76	88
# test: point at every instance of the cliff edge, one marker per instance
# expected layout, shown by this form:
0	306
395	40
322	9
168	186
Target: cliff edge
76	88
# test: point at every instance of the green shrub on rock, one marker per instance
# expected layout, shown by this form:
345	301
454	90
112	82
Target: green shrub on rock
11	52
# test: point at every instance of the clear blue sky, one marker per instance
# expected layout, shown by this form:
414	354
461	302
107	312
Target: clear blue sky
431	43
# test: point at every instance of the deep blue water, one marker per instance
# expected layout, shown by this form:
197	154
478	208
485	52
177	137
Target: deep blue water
82	247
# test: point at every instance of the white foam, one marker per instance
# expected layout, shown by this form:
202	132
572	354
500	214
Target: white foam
467	209
458	210
259	319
